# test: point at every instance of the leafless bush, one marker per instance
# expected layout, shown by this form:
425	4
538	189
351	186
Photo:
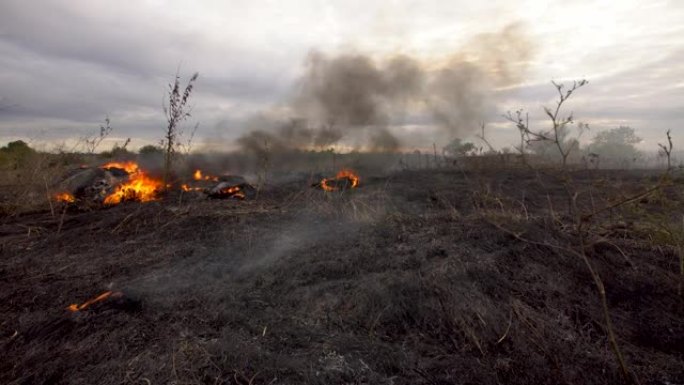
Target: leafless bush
92	142
558	135
584	225
666	150
176	111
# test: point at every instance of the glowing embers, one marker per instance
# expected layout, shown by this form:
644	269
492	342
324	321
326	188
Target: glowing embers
226	190
344	180
220	187
188	188
100	298
65	197
200	182
199	176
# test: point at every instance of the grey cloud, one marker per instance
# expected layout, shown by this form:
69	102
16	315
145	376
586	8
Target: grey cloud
64	65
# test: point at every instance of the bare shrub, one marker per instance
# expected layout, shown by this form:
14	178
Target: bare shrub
585	224
559	135
91	143
666	150
176	111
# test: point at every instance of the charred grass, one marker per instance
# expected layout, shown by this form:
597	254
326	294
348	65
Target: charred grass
417	277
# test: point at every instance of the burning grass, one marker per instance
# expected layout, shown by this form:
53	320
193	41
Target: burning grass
344	180
197	175
139	187
100	298
128	166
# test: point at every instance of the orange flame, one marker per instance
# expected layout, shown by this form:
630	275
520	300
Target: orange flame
65	197
129	166
233	191
343	174
198	176
187	188
75	307
139	187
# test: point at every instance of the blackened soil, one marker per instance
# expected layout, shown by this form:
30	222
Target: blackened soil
435	277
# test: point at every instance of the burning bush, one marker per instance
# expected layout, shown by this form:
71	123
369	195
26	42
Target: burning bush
108	184
344	180
140	187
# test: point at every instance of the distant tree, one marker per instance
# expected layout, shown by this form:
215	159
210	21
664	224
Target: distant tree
150	149
616	146
17	147
15	153
458	148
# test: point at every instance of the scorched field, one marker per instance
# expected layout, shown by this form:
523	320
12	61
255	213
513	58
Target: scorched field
426	276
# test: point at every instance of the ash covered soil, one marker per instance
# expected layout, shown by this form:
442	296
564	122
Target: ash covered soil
412	278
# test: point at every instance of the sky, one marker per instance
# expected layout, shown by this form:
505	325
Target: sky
65	65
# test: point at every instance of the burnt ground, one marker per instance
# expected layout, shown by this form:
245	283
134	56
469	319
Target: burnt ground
435	277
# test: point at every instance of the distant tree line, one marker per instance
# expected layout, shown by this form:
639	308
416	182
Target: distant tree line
613	148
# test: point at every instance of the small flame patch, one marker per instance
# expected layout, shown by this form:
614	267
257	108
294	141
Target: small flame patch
65	197
187	188
130	166
233	192
344	176
199	176
107	294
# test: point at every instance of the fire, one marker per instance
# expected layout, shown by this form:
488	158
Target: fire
233	191
75	307
331	184
198	176
187	188
129	166
139	187
65	197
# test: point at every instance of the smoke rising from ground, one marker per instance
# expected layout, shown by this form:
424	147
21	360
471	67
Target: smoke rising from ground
355	97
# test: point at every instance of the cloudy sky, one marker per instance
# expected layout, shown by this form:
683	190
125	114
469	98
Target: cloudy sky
65	65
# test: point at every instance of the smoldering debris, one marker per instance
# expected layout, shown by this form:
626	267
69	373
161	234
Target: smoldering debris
226	190
116	182
89	183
